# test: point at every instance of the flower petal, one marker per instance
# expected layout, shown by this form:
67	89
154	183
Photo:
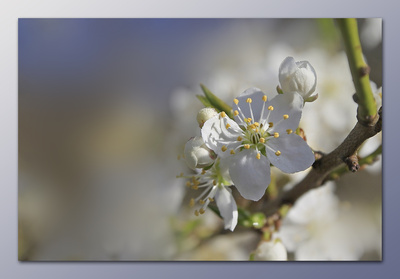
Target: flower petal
227	207
295	154
256	95
290	104
216	134
250	175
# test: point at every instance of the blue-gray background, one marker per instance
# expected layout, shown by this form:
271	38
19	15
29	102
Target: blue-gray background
8	201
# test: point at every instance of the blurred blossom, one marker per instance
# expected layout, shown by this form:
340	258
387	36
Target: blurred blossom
272	250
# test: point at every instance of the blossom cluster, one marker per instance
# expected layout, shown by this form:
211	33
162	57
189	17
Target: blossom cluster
240	151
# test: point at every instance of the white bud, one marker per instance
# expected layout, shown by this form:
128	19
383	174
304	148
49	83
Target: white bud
297	77
205	114
270	251
197	154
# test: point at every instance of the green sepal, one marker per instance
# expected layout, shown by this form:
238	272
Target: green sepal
204	101
216	102
279	90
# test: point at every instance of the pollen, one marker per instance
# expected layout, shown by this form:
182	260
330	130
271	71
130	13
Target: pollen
191	204
188	184
224	148
264	98
285	116
195	187
236	101
201	211
276	135
258	156
249	120
277	153
202	202
227	125
223	114
270	108
289	131
203	171
256	124
249	100
239	138
271	124
235	113
210	199
247	146
262	140
232	151
196	212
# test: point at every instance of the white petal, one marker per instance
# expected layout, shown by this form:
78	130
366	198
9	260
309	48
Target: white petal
257	103
227	207
216	135
295	155
250	175
290	104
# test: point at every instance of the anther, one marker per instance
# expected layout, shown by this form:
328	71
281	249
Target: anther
210	199
289	131
214	182
262	140
235	113
224	148
264	98
202	202
196	212
223	114
247	146
202	211
277	153
256	124
203	171
249	120
258	156
227	125
232	151
236	101
276	135
271	124
195	187
270	108
249	100
191	202
188	184
285	116
239	138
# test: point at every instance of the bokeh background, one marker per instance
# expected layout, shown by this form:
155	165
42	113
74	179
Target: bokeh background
106	105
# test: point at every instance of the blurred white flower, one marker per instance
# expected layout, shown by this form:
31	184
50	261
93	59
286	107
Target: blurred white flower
272	250
262	134
197	154
204	114
297	77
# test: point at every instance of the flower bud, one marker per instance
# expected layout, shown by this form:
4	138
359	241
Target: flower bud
270	251
297	77
197	154
205	114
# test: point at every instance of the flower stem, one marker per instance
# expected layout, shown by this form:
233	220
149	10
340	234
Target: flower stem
367	112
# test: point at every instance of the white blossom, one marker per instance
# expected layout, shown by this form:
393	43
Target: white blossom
297	77
262	133
272	250
204	114
197	154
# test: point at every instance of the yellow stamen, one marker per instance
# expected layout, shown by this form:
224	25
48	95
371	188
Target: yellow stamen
227	125
202	202
270	108
256	124
258	156
249	120
223	114
191	202
195	187
276	135
249	100
264	98
236	101
188	184
285	116
232	151
262	140
247	146
196	213
203	171
214	182
239	138
202	211
211	199
224	148
252	126
277	153
289	131
271	124
235	113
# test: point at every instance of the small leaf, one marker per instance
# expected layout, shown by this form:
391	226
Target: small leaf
216	102
204	101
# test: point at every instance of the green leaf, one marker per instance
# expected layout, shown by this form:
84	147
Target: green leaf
216	102
204	101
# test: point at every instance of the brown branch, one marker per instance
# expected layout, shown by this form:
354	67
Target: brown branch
322	167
